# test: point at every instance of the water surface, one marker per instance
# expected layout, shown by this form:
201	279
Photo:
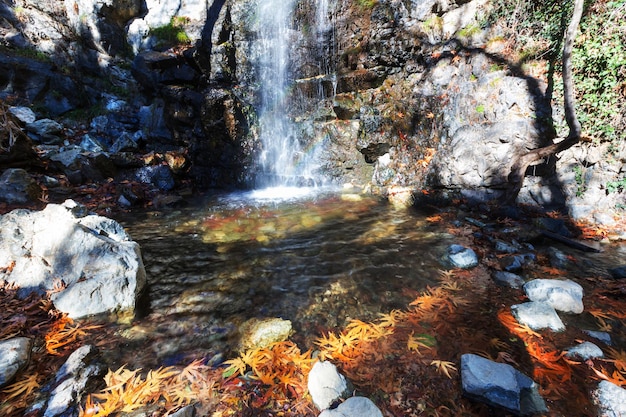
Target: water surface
316	259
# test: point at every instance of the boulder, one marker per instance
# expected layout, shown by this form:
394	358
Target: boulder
87	262
23	114
354	407
17	187
326	385
500	385
562	295
46	130
14	355
538	315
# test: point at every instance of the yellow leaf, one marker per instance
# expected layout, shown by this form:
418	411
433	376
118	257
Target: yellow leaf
444	367
22	388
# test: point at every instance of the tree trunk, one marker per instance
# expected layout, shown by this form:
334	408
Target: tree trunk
518	170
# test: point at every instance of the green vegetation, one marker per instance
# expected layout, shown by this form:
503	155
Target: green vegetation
29	52
366	4
598	59
433	24
469	31
579	177
172	33
616	186
480	108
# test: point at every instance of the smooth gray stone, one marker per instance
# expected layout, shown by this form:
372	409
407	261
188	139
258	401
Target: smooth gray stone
501	385
538	315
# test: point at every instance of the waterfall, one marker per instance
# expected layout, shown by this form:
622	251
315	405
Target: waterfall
281	158
325	31
284	158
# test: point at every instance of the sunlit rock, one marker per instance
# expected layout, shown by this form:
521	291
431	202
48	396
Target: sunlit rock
538	315
401	197
501	385
585	350
611	400
72	379
14	355
326	385
258	333
562	295
354	407
23	114
87	263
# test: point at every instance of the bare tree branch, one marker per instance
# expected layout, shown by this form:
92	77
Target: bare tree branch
518	170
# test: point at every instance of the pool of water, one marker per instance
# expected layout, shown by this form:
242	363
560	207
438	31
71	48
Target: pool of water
318	259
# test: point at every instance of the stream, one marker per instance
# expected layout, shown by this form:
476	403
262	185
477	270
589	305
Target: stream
316	259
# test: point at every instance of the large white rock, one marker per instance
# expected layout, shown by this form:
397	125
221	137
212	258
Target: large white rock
326	385
562	295
538	315
87	262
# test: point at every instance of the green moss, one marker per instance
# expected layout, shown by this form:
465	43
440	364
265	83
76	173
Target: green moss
366	4
433	23
469	31
172	33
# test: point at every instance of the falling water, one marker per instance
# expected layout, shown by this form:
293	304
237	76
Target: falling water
282	160
325	31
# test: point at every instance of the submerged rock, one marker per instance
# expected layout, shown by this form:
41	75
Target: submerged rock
501	385
601	336
354	407
538	315
326	385
585	350
562	295
462	257
508	279
258	333
619	272
611	400
14	355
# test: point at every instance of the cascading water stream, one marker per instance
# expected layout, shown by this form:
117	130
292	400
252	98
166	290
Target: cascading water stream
280	160
285	160
325	31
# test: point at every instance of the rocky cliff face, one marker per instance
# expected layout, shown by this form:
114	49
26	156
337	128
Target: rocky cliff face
394	92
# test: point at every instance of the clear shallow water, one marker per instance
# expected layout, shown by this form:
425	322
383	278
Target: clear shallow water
317	259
